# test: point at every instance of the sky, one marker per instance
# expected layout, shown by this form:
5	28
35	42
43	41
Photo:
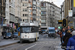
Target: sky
57	2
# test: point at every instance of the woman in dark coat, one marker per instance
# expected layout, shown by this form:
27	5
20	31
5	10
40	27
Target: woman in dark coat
71	42
66	38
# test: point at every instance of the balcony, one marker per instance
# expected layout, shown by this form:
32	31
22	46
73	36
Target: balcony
43	9
34	12
43	21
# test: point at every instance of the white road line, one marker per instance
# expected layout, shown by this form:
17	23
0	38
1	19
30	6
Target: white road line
30	47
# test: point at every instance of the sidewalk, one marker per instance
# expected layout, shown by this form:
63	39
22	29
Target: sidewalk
6	42
58	47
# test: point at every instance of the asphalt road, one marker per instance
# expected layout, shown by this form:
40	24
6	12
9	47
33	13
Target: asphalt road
43	43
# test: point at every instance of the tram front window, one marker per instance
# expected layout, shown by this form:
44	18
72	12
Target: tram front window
29	29
25	29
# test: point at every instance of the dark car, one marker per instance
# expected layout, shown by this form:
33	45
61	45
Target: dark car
15	35
8	35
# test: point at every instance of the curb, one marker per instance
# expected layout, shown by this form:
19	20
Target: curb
8	44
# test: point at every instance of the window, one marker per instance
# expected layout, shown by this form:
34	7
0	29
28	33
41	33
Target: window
43	8
23	15
34	0
43	21
26	20
25	0
24	4
43	12
29	29
34	14
43	4
26	14
23	20
24	9
43	24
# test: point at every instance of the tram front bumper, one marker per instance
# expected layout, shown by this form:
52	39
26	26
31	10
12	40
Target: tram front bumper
27	39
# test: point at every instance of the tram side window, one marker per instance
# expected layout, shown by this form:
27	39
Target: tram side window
34	29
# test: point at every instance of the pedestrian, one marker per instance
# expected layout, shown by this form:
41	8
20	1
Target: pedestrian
66	37
3	34
71	42
60	33
63	34
67	28
72	29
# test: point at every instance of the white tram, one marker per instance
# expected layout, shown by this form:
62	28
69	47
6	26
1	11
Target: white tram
29	31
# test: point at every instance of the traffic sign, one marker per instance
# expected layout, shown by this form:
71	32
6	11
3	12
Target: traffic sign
60	21
70	13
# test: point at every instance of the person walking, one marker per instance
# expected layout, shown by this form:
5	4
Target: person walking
71	42
63	34
60	33
67	28
66	37
72	29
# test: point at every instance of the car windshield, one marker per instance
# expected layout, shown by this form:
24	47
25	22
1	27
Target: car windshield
16	33
8	33
51	30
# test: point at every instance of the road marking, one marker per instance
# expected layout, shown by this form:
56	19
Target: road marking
30	47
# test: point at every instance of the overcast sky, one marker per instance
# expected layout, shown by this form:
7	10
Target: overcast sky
57	2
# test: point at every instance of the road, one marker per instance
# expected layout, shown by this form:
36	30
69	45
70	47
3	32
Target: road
43	43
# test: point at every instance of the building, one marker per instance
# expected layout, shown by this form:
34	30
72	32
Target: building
65	7
30	11
63	10
2	15
55	15
18	11
50	14
2	11
13	12
10	11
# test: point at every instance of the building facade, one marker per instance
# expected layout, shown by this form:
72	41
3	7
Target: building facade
30	10
50	14
2	15
55	15
65	7
63	10
18	11
2	11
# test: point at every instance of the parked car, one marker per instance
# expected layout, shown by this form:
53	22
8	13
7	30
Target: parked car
8	35
15	35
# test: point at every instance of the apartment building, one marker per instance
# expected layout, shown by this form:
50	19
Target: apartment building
50	14
30	11
63	10
18	11
10	11
2	11
55	15
2	15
